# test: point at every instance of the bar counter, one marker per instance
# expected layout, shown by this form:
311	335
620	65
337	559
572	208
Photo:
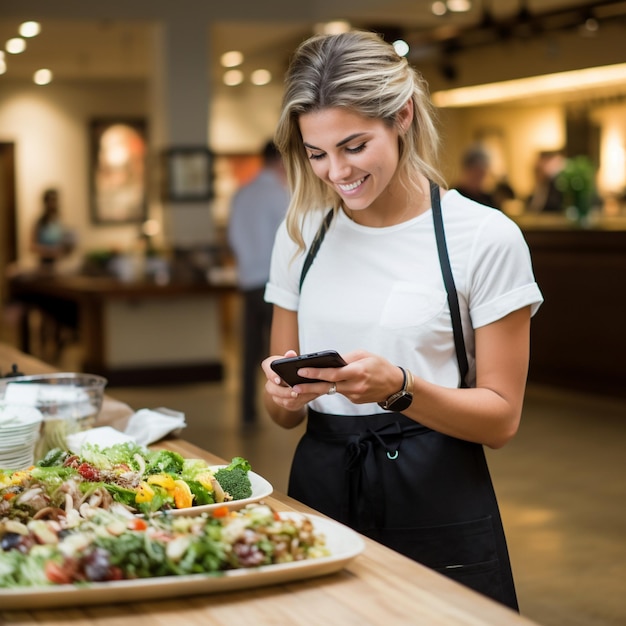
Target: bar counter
578	337
377	587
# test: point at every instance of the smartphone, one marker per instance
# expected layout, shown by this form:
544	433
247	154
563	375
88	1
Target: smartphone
288	367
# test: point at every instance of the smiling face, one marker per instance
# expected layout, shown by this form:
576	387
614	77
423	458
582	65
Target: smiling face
358	158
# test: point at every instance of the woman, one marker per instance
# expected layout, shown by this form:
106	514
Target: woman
393	445
50	239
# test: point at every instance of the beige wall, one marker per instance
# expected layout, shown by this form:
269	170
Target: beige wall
50	128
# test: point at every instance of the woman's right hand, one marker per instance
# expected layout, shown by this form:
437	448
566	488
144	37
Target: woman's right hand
289	405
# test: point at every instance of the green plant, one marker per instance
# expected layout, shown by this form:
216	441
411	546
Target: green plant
577	183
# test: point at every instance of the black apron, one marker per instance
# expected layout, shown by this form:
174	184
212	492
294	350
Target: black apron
426	495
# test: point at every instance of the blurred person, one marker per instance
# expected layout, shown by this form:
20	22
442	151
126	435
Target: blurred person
257	209
474	173
51	240
546	197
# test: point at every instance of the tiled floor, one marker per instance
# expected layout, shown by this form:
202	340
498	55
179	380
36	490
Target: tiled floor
561	484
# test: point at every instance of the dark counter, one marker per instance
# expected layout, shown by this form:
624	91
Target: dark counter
578	337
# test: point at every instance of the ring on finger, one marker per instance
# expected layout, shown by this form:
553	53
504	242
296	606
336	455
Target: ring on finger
332	390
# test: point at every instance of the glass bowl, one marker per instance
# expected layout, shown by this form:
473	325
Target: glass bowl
69	402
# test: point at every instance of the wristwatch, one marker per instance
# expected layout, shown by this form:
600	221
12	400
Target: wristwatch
401	400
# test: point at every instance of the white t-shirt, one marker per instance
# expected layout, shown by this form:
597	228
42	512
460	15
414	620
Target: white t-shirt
381	289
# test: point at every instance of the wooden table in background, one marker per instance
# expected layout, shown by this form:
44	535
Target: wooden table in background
134	319
378	587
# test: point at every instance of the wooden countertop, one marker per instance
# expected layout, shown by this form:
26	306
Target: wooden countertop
378	587
74	286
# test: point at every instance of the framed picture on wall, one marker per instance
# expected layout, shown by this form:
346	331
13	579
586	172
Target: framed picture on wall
188	174
118	170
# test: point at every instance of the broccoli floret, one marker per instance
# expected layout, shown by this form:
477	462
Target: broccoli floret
235	482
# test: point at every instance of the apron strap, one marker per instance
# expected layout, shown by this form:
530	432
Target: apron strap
315	246
446	270
448	279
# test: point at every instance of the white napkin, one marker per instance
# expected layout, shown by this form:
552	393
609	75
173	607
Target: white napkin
144	427
103	436
149	425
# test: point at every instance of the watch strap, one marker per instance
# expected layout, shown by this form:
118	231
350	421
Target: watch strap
406	391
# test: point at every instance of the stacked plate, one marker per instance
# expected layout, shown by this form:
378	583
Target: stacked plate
19	431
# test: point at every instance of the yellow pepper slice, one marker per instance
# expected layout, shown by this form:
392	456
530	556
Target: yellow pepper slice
183	497
145	493
163	480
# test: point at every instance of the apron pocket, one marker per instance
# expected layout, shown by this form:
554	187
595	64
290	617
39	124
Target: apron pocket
465	551
482	577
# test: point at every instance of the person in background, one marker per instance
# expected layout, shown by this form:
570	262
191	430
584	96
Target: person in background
474	172
256	211
394	439
51	240
546	196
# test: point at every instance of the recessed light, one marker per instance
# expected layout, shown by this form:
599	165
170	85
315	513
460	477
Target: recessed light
260	77
15	45
30	29
401	47
231	59
233	78
459	6
42	76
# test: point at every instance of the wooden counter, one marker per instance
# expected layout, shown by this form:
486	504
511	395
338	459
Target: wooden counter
378	587
137	332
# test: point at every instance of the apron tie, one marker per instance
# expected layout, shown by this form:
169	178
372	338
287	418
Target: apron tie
362	468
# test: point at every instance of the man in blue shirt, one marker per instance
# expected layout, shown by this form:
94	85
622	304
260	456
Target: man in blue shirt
257	209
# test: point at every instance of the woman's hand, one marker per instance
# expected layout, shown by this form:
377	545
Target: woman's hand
287	405
367	378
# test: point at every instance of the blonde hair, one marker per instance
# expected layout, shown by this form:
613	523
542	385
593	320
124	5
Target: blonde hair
359	71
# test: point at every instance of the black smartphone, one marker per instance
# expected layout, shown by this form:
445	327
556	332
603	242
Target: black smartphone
288	367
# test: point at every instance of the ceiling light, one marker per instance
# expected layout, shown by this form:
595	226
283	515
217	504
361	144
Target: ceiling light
30	29
42	77
3	66
459	6
232	58
335	27
260	77
233	78
439	8
532	86
15	45
401	47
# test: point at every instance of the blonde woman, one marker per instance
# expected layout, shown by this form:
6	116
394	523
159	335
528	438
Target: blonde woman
426	295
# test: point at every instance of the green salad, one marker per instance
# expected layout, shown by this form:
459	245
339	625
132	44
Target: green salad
105	545
141	480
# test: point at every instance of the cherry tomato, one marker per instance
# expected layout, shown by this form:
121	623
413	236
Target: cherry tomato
221	511
137	524
56	574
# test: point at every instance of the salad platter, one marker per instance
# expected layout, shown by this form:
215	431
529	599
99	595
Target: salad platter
124	523
330	546
144	482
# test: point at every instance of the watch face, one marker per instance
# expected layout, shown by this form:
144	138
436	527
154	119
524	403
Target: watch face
401	403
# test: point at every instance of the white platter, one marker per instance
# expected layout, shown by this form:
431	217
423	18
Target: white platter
343	543
261	488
